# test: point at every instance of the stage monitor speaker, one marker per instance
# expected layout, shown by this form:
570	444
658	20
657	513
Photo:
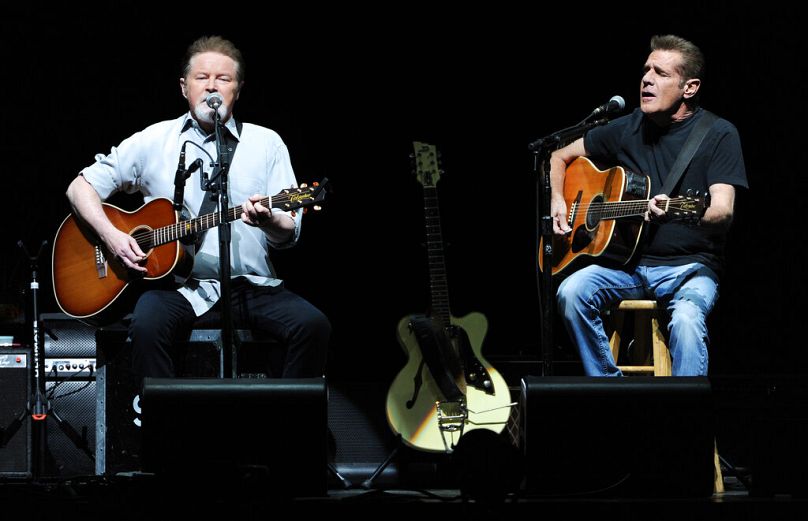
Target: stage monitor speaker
15	422
118	420
618	437
220	430
779	431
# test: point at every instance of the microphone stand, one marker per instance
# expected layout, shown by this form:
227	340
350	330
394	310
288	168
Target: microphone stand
541	149
220	174
39	406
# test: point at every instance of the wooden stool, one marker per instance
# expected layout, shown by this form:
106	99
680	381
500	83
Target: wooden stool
641	360
656	361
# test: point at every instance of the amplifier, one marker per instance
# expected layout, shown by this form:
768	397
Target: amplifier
69	368
71	444
15	422
67	337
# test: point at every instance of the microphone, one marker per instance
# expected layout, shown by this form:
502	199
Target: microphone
214	100
615	104
179	179
181	164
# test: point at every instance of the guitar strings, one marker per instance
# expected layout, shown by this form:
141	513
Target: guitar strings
149	237
624	208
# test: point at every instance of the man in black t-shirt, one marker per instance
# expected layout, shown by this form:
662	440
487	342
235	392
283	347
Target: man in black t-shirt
677	264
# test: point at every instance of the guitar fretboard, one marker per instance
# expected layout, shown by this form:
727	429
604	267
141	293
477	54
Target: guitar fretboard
147	239
438	284
617	209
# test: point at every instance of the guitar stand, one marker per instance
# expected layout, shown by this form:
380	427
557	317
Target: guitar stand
368	483
346	483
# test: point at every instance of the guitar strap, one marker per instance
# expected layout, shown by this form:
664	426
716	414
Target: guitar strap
209	200
695	138
437	352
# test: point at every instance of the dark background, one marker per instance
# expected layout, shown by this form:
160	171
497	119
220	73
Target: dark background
350	88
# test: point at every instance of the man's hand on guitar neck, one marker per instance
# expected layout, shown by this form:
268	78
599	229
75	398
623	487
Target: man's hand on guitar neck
657	209
278	225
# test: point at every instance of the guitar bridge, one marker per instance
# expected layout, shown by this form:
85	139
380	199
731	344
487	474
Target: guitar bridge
452	417
100	262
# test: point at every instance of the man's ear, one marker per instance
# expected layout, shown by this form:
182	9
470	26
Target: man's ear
692	87
183	88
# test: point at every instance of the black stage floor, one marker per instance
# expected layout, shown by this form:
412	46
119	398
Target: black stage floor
149	498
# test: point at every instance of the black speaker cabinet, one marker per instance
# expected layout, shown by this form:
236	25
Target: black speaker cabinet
223	429
620	437
15	422
779	431
71	441
360	438
66	337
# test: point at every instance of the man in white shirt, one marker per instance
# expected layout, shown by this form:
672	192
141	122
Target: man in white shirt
260	166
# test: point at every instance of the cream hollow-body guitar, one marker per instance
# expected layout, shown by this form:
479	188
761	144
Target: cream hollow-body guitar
88	284
446	388
605	210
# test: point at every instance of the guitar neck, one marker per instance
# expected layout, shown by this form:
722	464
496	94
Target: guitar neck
438	284
286	200
617	209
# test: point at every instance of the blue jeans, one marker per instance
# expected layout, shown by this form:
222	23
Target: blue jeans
687	293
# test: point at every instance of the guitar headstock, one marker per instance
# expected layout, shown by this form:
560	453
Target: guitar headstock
690	207
302	197
426	163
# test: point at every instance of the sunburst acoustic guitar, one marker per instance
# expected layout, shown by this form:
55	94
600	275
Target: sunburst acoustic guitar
87	283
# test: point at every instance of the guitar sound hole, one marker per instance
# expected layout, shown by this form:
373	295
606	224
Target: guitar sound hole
594	212
143	236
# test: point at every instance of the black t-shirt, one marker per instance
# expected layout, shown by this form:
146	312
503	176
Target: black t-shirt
636	143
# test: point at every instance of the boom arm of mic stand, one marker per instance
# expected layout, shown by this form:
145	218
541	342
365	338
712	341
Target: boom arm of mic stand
563	137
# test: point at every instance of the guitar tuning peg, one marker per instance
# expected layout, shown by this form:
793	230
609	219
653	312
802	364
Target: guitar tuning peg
317	207
304	185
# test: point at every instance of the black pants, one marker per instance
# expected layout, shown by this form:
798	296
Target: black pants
161	317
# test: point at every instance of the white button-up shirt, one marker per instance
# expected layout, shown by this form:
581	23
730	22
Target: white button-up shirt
146	162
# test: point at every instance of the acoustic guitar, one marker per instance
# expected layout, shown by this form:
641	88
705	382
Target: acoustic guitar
87	283
605	211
